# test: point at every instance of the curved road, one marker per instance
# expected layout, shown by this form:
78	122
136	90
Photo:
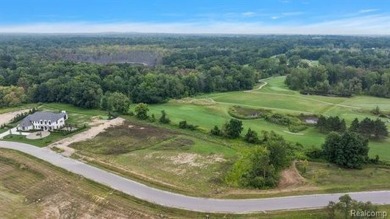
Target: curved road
169	199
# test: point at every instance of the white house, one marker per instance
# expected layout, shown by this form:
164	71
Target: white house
47	121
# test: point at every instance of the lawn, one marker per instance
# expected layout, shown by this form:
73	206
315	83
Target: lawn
53	137
77	115
212	109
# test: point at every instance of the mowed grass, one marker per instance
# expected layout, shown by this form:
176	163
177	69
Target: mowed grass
53	137
278	98
77	116
327	177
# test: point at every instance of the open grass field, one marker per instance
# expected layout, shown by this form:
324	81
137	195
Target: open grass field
212	109
161	157
327	177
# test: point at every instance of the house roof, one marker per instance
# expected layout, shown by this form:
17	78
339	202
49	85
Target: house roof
37	116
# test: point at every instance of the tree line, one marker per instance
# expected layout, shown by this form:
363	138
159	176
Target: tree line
369	128
340	80
189	66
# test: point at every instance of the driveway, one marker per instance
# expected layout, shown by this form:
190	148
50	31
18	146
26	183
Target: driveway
174	200
13	131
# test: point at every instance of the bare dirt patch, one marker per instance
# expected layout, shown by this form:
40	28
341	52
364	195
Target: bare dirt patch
98	126
123	138
5	118
290	178
195	160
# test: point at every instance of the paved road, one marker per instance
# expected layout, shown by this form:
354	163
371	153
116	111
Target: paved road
185	202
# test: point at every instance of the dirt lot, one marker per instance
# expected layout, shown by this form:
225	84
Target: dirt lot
7	117
98	126
291	178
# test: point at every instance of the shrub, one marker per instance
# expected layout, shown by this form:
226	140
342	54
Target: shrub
183	124
216	131
297	128
164	118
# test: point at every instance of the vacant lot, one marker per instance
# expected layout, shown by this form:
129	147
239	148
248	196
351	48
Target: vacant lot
160	156
33	189
328	177
30	188
278	98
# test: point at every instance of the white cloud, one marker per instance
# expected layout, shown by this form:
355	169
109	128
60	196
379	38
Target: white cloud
293	13
249	14
365	11
368	24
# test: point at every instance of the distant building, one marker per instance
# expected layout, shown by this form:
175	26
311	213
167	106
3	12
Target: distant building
46	121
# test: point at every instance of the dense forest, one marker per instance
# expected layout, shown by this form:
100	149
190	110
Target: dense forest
83	70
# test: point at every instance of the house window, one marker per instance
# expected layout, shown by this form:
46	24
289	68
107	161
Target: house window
41	122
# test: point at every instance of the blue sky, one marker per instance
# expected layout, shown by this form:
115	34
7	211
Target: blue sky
197	16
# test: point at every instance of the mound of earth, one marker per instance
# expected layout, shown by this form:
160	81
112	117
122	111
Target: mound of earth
290	178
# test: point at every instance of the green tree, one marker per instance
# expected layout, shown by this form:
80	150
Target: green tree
86	94
116	102
141	111
253	170
343	208
380	129
348	150
354	125
233	128
280	152
251	137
